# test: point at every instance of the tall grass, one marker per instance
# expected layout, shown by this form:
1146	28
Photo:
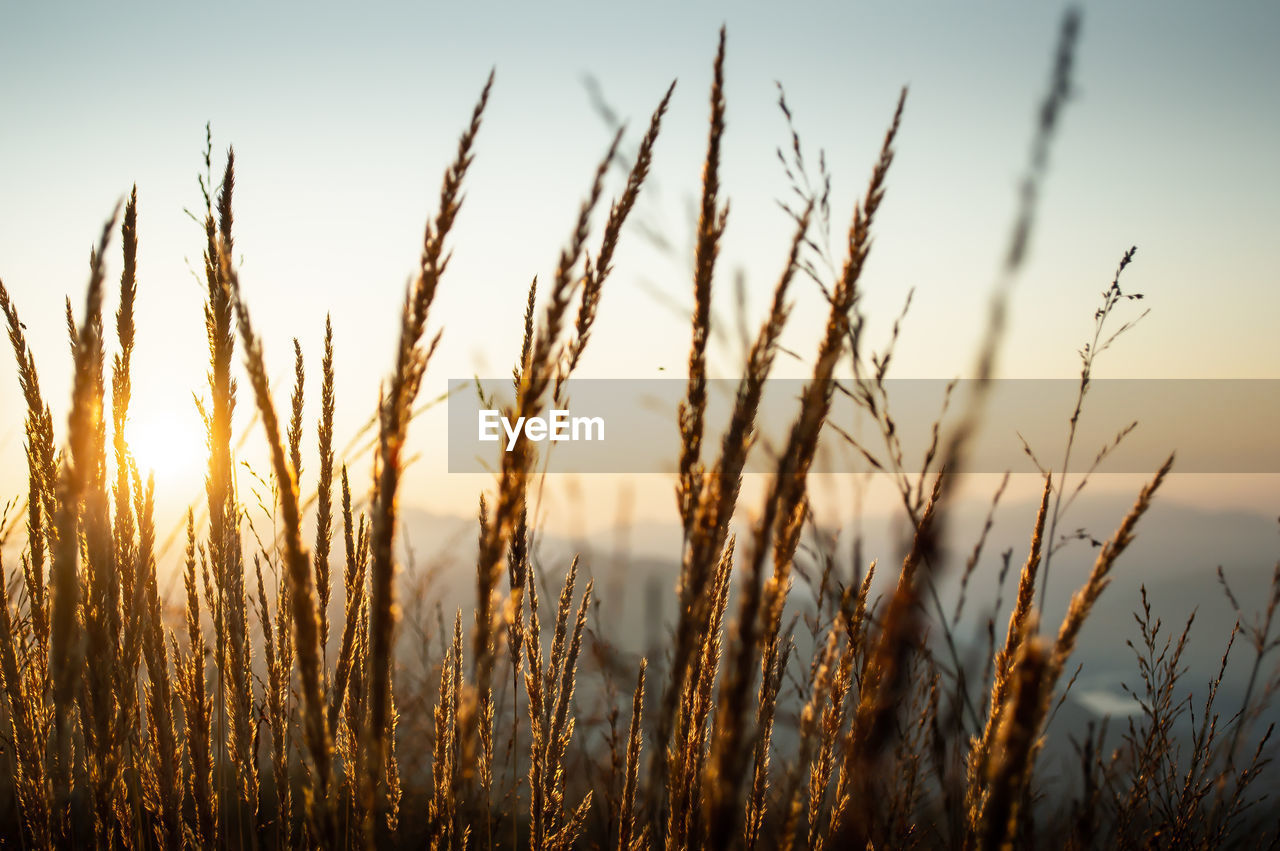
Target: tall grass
129	725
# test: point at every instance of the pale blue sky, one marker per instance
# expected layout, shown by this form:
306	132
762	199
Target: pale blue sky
344	117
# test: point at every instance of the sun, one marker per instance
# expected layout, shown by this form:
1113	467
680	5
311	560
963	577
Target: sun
167	445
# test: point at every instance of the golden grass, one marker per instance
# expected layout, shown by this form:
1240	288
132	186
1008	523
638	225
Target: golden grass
128	731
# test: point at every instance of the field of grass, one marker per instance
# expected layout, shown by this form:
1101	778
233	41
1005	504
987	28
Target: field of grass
274	703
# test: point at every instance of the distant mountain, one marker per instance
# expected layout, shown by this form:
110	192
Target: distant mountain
1175	555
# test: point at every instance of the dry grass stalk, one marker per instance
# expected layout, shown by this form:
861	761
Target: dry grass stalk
881	688
394	413
543	362
761	752
302	602
160	689
1111	297
833	713
199	827
31	779
549	684
295	417
1083	600
712	220
593	284
535	382
1014	748
688	756
279	668
629	838
232	649
42	473
694	580
1048	117
713	512
121	388
1020	621
443	813
826	673
354	585
786	503
324	493
81	468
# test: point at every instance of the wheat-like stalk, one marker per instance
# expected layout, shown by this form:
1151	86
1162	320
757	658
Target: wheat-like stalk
1020	620
302	602
394	412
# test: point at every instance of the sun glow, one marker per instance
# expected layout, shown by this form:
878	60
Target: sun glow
168	446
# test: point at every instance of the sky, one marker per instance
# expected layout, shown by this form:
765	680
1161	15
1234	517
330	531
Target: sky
343	118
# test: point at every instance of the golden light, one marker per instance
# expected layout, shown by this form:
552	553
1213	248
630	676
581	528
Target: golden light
170	446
